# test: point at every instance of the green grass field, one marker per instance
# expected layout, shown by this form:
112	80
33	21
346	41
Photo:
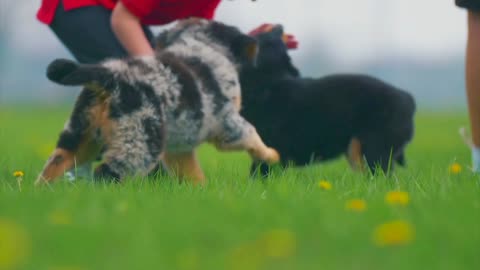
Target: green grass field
234	222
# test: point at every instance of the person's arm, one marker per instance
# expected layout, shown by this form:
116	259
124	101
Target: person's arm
473	83
128	29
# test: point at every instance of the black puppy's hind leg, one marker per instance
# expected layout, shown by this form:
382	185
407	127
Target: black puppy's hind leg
377	152
355	155
259	168
380	159
400	158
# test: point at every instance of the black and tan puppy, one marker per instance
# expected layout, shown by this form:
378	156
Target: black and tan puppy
141	110
310	120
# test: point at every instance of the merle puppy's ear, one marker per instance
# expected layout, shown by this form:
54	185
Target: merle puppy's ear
67	72
246	48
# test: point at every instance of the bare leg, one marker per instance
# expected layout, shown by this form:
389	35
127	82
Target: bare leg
472	74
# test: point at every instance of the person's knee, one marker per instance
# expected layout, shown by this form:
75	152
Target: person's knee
474	15
474	25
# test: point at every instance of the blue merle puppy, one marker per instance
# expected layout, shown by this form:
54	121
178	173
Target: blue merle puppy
143	110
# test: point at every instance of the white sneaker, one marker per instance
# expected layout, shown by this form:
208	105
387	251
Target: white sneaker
476	159
475	150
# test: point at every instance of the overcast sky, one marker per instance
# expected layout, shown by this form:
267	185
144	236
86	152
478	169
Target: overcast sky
352	30
417	45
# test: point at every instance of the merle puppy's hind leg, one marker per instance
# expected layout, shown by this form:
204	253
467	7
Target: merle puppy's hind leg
238	134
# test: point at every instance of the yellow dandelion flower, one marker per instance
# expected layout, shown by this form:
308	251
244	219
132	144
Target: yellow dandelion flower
356	205
18	174
14	245
455	168
278	243
395	233
59	218
325	185
397	198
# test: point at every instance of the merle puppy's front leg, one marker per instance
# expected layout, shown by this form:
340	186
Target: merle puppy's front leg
185	165
238	134
77	145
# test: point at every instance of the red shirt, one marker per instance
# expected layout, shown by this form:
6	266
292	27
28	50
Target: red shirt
156	12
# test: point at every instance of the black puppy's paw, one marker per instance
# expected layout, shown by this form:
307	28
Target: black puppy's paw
261	169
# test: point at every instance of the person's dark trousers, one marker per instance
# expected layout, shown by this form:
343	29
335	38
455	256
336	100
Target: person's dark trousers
87	33
472	5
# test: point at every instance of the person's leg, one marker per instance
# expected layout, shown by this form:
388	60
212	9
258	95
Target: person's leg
87	34
472	75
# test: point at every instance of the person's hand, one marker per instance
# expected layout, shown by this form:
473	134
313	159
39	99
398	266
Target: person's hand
290	41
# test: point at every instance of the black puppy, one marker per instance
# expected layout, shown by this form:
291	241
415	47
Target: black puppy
309	120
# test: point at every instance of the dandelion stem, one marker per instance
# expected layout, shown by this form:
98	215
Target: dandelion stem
19	182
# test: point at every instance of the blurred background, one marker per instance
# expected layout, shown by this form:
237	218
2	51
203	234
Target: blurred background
416	45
